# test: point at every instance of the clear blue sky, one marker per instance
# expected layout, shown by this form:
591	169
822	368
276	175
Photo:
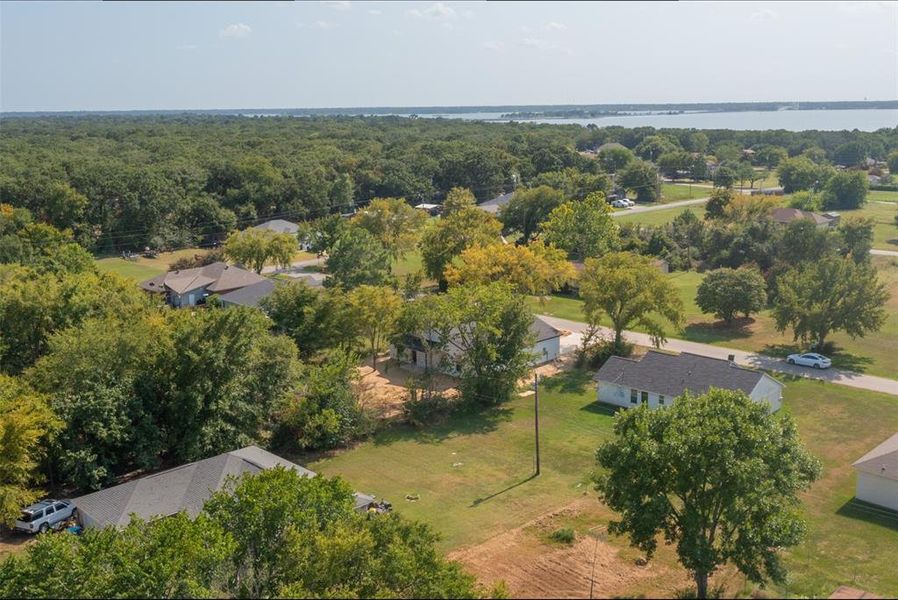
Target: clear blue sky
122	55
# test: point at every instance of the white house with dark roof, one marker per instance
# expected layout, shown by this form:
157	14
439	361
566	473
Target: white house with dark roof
182	489
877	475
419	353
189	287
658	377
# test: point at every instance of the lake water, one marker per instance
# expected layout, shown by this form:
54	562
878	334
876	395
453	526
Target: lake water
790	120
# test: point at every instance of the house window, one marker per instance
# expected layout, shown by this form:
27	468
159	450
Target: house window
645	397
661	399
633	396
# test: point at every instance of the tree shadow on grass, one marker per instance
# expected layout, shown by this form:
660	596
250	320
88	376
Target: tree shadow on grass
599	408
864	511
718	331
465	422
841	360
569	382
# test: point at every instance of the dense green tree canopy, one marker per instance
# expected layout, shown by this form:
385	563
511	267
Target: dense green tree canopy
528	208
715	475
725	293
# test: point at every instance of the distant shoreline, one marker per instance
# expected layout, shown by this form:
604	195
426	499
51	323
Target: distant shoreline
561	111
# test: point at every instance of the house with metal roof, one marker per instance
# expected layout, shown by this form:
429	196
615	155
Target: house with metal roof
189	287
658	377
420	353
877	475
182	489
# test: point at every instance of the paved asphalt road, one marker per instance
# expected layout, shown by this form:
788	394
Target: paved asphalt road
749	359
654	207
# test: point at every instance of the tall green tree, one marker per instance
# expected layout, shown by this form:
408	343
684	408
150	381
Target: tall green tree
641	177
27	423
446	238
357	258
845	190
257	247
856	237
800	173
583	229
375	310
528	208
716	476
394	223
830	294
629	289
728	292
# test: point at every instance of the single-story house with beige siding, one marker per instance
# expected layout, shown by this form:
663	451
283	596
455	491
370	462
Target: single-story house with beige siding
877	475
658	377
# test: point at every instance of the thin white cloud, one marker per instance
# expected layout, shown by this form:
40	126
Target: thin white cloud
300	25
493	45
341	5
556	25
437	11
325	24
765	15
545	45
235	31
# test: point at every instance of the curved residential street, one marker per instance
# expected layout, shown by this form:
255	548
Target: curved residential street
749	359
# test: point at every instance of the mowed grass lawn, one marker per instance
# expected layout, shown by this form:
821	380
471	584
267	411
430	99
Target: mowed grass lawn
876	354
885	233
660	217
145	268
674	192
473	474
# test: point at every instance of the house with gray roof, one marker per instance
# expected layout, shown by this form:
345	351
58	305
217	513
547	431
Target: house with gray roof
278	226
492	206
250	295
877	475
189	287
785	215
658	377
182	489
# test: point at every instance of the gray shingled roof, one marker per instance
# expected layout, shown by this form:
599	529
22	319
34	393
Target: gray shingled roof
250	295
787	215
493	205
278	226
183	488
673	374
882	460
218	276
542	330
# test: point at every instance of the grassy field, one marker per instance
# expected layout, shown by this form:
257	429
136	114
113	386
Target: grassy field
874	354
885	233
660	217
878	196
144	268
473	476
673	192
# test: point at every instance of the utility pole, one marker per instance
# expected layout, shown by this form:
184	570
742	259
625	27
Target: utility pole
536	416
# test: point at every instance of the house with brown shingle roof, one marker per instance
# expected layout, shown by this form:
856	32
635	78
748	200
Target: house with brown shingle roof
877	475
785	216
189	287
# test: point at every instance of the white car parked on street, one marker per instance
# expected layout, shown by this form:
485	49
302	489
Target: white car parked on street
811	359
623	203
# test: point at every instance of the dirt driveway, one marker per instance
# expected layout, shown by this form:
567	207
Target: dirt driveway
383	389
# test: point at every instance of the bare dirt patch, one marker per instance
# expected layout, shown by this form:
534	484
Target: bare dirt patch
383	390
534	568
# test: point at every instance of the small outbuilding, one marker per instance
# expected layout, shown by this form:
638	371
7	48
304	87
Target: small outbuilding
877	475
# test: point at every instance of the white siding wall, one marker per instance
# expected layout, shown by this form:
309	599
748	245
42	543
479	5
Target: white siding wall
611	393
770	391
546	350
877	490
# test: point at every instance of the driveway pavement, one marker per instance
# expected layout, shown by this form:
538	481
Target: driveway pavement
749	359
